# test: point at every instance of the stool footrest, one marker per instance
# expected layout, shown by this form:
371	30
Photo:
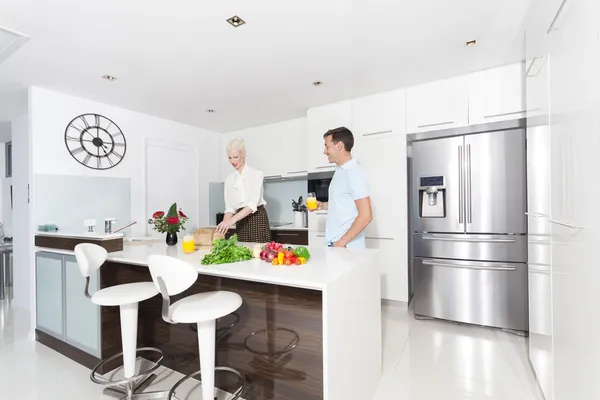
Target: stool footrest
236	395
96	378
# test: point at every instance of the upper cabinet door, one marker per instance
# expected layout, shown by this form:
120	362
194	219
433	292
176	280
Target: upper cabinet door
497	94
291	147
437	105
379	114
320	120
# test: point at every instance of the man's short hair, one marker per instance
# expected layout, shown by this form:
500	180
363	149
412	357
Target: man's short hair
341	134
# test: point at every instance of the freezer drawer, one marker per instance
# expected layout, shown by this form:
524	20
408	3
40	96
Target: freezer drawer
511	248
482	293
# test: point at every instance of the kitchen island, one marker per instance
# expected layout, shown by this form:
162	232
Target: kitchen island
303	332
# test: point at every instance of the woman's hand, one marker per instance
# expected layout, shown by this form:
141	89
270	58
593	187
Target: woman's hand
224	226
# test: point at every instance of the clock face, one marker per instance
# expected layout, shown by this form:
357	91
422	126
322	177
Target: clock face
95	141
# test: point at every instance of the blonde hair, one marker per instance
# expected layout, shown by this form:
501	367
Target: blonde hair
236	144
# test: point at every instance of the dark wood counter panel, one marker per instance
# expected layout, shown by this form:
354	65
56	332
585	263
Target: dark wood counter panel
275	314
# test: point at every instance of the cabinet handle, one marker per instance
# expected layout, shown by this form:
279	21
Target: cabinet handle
469	216
556	17
528	74
286	234
298	172
537	215
438	124
377	133
320	236
565	224
273	177
504	114
466	239
378	238
324	166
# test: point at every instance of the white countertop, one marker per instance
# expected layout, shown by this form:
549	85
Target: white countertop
81	235
325	266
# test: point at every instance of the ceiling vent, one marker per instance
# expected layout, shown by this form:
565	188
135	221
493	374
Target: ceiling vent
10	41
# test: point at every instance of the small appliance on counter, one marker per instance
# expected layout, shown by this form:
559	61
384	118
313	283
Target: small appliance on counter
89	224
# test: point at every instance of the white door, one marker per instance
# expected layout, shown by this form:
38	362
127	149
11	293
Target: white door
172	177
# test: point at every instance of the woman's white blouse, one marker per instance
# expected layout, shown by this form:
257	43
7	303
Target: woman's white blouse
244	189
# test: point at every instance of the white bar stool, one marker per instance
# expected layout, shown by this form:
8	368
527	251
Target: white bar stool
173	276
90	258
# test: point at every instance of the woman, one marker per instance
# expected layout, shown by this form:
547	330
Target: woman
244	202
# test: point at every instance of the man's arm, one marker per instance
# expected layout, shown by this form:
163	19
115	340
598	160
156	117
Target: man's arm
364	218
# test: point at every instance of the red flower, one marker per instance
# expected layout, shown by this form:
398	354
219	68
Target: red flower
172	220
158	214
182	215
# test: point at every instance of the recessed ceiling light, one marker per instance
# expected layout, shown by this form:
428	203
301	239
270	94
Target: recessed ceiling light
471	43
236	21
210	110
109	78
317	83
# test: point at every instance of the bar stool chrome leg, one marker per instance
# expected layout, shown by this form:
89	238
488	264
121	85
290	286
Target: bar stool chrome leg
130	388
235	395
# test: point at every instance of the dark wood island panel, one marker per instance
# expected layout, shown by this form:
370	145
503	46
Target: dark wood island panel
258	339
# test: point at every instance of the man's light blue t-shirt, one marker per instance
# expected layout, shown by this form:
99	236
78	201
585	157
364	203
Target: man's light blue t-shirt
349	184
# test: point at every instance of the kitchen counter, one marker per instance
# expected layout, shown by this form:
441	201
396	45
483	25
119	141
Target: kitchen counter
325	267
330	307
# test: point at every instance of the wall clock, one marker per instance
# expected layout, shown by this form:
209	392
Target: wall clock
95	141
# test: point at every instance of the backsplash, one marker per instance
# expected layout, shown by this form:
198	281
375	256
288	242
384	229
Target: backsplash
67	200
278	195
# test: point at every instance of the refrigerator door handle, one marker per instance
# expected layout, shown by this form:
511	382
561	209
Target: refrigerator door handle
482	266
480	239
468	177
461	184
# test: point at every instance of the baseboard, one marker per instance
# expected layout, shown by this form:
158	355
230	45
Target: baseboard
75	354
394	303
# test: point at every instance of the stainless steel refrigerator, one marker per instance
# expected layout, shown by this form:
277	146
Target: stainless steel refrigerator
468	204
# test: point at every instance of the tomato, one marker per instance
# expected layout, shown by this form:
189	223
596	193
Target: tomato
288	254
288	261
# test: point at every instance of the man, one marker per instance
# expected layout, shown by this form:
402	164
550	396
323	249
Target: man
349	202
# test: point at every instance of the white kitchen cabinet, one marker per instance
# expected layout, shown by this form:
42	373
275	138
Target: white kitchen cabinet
438	105
319	120
316	239
393	264
317	221
379	113
497	94
383	157
82	317
49	294
276	149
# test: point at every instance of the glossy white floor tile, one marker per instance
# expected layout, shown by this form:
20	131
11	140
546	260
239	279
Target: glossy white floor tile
422	360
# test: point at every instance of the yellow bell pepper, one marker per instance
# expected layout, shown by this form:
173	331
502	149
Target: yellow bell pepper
280	257
302	260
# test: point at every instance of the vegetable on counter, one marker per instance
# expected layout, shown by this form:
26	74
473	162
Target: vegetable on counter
302	251
227	251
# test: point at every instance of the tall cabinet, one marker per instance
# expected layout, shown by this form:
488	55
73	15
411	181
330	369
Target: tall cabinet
563	96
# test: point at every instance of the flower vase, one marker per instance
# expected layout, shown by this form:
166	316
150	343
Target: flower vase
171	239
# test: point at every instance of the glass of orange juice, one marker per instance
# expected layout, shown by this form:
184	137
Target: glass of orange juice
311	201
188	244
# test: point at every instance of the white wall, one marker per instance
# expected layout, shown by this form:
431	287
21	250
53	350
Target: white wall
23	230
51	112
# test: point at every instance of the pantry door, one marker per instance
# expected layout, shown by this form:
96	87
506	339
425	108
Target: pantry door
172	176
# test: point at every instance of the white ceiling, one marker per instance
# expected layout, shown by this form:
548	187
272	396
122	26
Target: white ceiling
175	59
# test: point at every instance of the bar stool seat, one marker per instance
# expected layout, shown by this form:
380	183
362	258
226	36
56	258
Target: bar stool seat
127	293
204	307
